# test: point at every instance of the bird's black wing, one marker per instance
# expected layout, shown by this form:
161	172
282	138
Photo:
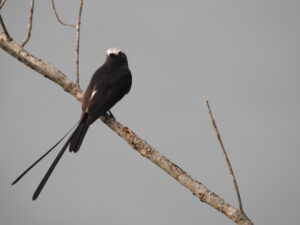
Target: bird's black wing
107	94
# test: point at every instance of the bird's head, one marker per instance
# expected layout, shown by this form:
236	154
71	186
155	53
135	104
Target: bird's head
115	56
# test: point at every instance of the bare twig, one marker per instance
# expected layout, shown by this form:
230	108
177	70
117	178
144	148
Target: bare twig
77	27
28	35
78	41
2	3
4	29
140	145
58	19
2	22
226	156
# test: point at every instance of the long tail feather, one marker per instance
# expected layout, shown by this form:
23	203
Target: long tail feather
50	170
76	142
56	160
43	156
79	134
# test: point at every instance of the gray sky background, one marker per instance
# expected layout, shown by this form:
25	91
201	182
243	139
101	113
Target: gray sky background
243	56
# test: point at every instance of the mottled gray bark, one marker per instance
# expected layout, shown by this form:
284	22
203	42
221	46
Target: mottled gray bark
140	145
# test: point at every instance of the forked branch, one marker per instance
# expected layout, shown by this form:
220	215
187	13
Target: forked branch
140	145
77	27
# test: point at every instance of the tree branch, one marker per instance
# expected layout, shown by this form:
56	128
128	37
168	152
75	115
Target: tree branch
28	35
2	3
58	19
77	27
226	156
140	145
78	41
39	66
7	36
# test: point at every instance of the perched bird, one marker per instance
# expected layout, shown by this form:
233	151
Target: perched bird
107	86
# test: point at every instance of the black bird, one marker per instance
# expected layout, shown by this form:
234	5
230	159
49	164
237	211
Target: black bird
107	86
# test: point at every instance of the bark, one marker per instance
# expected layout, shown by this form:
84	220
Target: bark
140	145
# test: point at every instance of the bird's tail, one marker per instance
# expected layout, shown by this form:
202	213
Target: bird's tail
76	139
43	156
78	135
74	142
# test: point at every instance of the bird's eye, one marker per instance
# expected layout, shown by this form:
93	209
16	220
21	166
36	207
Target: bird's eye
120	53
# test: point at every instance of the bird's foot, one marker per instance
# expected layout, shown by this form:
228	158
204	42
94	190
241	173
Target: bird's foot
108	115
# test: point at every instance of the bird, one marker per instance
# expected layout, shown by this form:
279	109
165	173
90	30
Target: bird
108	85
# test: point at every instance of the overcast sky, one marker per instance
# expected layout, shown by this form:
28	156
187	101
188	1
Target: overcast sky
243	56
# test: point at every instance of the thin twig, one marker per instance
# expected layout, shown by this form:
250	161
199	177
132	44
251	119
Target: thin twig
58	19
28	35
78	41
4	29
226	156
2	4
77	27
